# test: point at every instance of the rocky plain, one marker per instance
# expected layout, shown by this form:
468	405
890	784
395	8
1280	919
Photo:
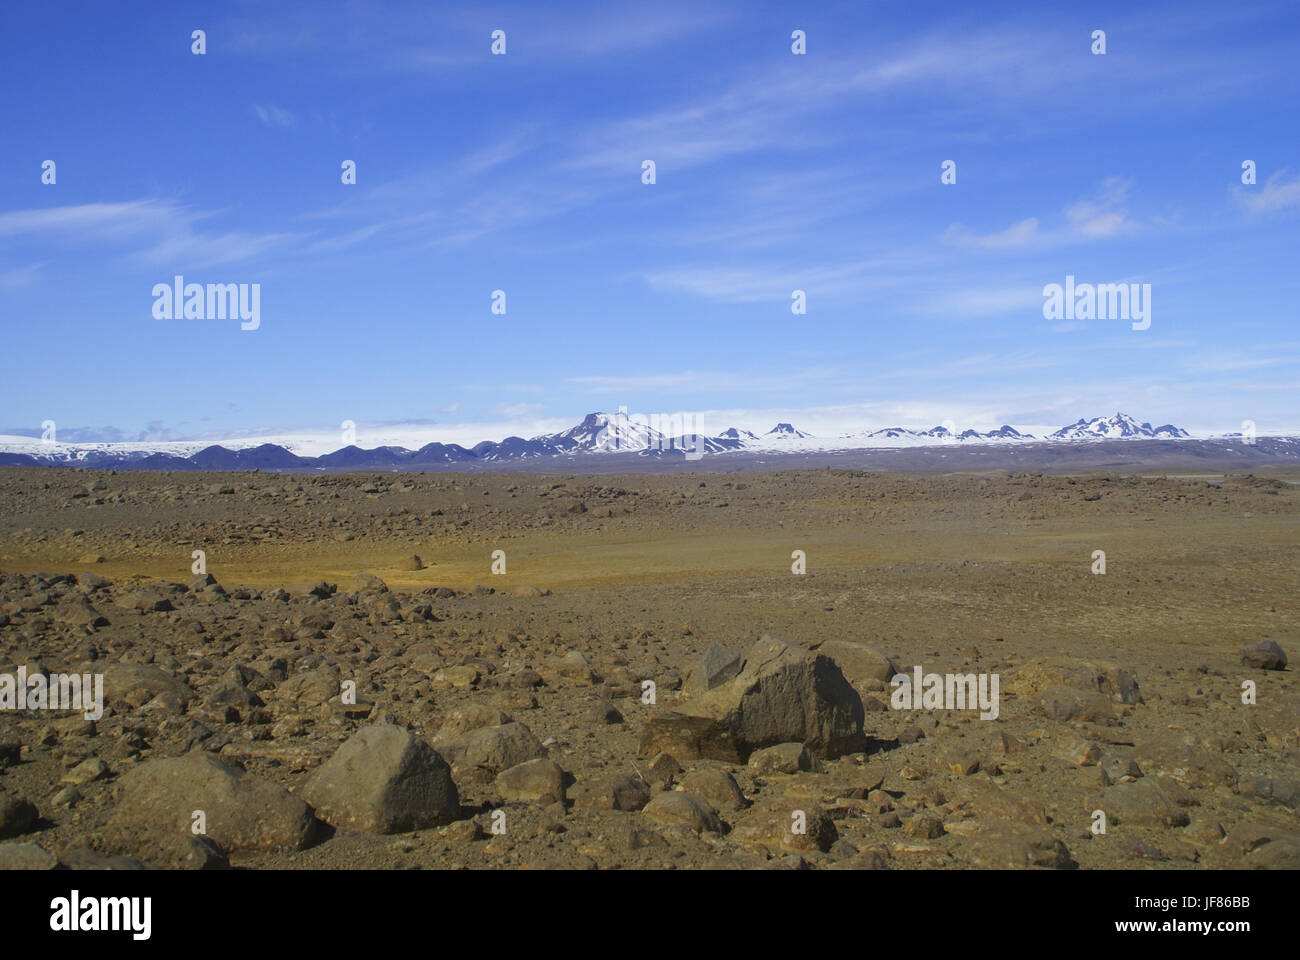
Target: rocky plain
495	671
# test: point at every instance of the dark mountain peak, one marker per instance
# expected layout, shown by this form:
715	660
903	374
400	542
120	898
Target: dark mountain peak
785	430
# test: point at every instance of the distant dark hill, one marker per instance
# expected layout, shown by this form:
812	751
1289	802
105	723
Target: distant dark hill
267	456
354	456
160	461
515	448
441	453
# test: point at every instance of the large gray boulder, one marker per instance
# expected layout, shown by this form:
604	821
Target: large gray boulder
677	808
135	684
242	812
1007	845
715	666
1035	677
1142	803
485	752
384	780
533	781
163	849
26	856
1265	655
782	694
858	662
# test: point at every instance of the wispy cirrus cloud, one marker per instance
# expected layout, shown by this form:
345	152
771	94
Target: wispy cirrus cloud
273	116
983	301
1097	216
770	107
502	150
149	232
1281	191
21	276
88	220
1102	214
776	280
1017	235
187	248
414	36
1226	361
600	31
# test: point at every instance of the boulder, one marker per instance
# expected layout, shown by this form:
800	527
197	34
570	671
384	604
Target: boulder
789	824
232	691
202	581
1077	750
1180	757
474	716
602	713
1066	704
135	684
1005	845
1034	677
782	694
83	857
688	737
17	816
676	807
572	666
1283	854
716	666
489	750
88	771
81	614
384	780
160	848
663	769
533	781
1281	791
611	792
1116	767
859	662
921	827
1247	846
463	676
1265	655
866	860
320	590
1141	803
787	758
26	856
243	812
988	801
365	583
311	688
716	786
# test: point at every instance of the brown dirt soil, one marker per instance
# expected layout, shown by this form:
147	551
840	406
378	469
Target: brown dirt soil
961	573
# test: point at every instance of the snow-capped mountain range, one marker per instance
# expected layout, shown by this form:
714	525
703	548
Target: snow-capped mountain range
1121	426
597	434
1118	427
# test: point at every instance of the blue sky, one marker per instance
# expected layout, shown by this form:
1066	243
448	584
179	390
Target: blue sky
522	173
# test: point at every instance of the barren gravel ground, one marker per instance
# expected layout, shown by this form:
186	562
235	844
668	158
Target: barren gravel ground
1120	692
